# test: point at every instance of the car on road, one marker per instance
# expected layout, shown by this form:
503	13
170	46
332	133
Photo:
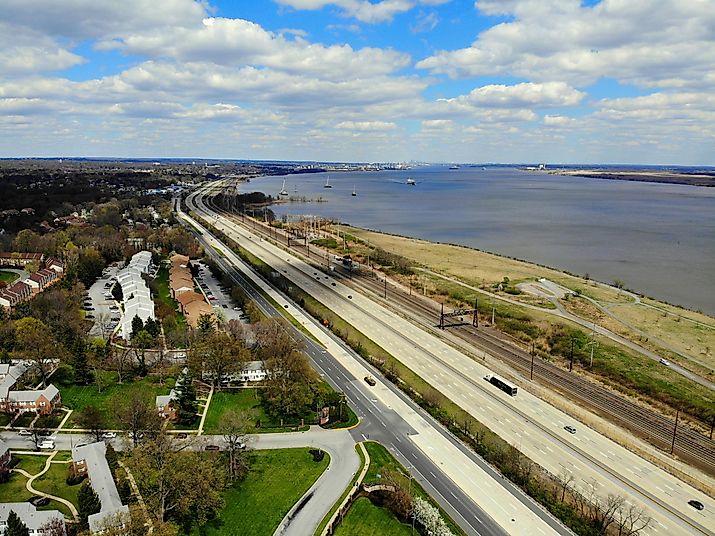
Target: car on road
332	284
570	429
24	433
236	308
109	435
45	433
370	380
211	447
46	445
182	435
225	306
350	297
664	362
696	504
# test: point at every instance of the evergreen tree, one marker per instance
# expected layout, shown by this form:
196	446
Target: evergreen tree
186	399
88	503
152	327
82	372
137	325
15	527
112	460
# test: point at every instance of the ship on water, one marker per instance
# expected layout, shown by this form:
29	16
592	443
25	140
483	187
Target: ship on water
354	194
411	182
283	189
327	183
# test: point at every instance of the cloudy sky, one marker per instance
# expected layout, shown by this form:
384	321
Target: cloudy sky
611	81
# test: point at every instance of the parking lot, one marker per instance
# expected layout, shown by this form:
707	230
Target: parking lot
101	306
219	298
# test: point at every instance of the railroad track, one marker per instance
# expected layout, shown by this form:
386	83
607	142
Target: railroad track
690	445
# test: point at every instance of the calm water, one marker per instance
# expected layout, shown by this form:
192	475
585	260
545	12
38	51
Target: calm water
658	238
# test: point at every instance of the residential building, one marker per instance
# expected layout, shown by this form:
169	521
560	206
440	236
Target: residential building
135	293
15	293
42	401
10	374
188	297
20	260
195	309
33	518
52	263
91	460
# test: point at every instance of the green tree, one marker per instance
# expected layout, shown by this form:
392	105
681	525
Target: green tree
152	327
182	486
217	355
137	325
112	458
15	527
92	420
82	372
88	502
186	399
34	341
206	324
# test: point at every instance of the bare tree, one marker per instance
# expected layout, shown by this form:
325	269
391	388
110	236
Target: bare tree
565	479
121	359
54	527
631	520
236	427
137	415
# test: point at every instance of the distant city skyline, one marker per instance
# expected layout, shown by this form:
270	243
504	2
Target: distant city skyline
510	81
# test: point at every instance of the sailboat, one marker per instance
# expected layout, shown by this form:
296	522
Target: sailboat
411	182
354	194
327	183
283	189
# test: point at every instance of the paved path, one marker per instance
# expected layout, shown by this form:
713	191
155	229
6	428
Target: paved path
32	478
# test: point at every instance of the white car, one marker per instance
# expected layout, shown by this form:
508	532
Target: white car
25	432
109	435
47	445
664	362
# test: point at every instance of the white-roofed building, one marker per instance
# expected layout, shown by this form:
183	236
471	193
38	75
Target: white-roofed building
33	518
136	295
92	460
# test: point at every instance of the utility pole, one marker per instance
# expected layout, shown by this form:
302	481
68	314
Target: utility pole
532	361
571	363
675	429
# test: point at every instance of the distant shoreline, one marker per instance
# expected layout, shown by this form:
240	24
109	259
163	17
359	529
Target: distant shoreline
703	179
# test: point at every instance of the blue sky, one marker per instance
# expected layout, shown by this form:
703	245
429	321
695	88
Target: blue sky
357	80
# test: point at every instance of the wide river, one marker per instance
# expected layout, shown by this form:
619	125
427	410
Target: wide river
657	238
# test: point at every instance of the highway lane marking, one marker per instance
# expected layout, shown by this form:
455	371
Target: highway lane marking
414	455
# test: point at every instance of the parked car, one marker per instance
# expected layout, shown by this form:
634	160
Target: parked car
211	447
182	435
24	433
45	433
47	445
109	435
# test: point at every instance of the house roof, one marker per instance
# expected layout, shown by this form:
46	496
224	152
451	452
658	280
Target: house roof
195	309
94	457
48	392
33	518
189	297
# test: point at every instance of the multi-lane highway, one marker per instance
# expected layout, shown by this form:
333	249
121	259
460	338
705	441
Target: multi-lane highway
476	496
534	426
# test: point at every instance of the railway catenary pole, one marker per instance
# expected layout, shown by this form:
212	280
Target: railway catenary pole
475	321
531	375
441	318
571	362
675	430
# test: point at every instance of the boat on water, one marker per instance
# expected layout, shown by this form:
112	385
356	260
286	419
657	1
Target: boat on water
327	183
283	189
354	194
411	182
454	167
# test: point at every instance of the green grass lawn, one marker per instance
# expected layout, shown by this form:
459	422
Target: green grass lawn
8	277
241	400
33	464
162	283
14	489
77	397
380	460
275	482
52	420
24	419
366	519
5	419
53	482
